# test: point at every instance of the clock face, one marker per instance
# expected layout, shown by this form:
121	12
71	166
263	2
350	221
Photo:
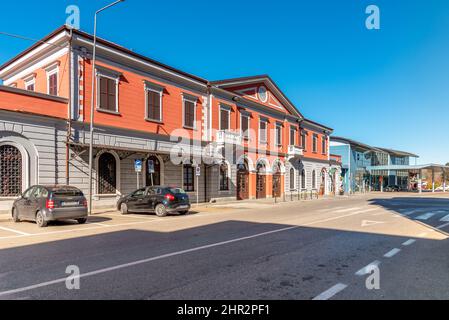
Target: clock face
263	95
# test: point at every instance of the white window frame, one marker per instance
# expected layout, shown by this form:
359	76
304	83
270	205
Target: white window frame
277	127
265	140
51	70
30	81
248	118
295	182
150	87
188	98
226	108
294	131
100	74
315	143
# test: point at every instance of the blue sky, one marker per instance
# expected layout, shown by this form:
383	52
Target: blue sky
387	88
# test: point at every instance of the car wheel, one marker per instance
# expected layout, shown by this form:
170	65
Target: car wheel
160	210
40	220
124	208
183	212
15	215
82	220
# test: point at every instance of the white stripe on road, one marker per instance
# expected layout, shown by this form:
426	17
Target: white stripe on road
421	235
326	295
445	219
173	254
409	242
348	210
15	231
443	226
392	253
425	216
366	270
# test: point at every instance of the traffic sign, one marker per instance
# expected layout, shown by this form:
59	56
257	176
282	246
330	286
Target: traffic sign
138	165
198	171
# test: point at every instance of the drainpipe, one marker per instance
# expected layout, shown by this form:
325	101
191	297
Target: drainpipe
69	111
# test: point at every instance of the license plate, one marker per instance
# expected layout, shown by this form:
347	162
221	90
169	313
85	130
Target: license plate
69	204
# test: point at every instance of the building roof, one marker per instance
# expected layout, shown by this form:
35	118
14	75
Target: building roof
410	167
354	143
399	153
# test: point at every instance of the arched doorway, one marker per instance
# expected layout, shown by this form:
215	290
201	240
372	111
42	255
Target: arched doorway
277	180
107	174
323	182
153	178
10	171
243	180
261	181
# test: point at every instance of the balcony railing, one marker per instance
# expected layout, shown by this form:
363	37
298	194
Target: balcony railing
294	151
229	137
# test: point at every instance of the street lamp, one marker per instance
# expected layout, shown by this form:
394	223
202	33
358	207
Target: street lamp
92	108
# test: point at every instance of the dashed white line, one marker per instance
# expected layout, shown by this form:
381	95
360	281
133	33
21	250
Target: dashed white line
392	253
326	295
445	219
14	231
443	226
409	242
365	270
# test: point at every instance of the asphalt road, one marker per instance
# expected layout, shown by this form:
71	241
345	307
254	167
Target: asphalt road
307	250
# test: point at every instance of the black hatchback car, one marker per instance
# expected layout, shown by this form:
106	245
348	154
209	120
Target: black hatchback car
50	203
161	200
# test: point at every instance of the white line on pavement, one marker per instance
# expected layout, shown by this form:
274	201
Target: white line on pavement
425	216
15	231
392	253
445	219
409	242
366	270
348	210
443	226
326	295
177	253
422	235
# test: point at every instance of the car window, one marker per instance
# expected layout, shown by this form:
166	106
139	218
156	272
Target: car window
177	191
36	192
27	193
139	193
44	193
158	191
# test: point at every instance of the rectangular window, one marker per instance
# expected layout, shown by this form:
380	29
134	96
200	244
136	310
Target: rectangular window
29	84
154	105
263	131
189	178
293	136
108	94
53	84
189	114
278	133
224	118
245	126
304	140
315	143
323	145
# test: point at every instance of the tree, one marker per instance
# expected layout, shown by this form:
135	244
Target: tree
447	164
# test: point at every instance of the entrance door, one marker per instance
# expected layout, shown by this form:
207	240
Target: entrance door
277	185
261	182
242	184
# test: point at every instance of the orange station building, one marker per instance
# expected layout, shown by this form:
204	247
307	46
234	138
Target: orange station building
245	136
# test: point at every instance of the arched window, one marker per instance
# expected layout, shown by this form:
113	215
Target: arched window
313	179
303	179
292	179
10	171
224	177
107	174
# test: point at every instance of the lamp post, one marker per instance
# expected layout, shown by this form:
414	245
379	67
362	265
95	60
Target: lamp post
92	108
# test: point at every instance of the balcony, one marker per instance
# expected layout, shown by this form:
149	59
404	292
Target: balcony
228	137
294	152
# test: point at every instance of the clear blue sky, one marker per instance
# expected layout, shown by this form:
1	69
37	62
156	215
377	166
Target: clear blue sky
388	88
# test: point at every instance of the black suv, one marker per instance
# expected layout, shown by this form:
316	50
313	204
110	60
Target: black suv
161	200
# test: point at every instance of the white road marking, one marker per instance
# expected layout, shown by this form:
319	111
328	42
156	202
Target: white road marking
445	219
368	223
392	253
409	242
425	216
348	210
101	224
326	295
330	209
169	255
443	226
15	231
366	269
